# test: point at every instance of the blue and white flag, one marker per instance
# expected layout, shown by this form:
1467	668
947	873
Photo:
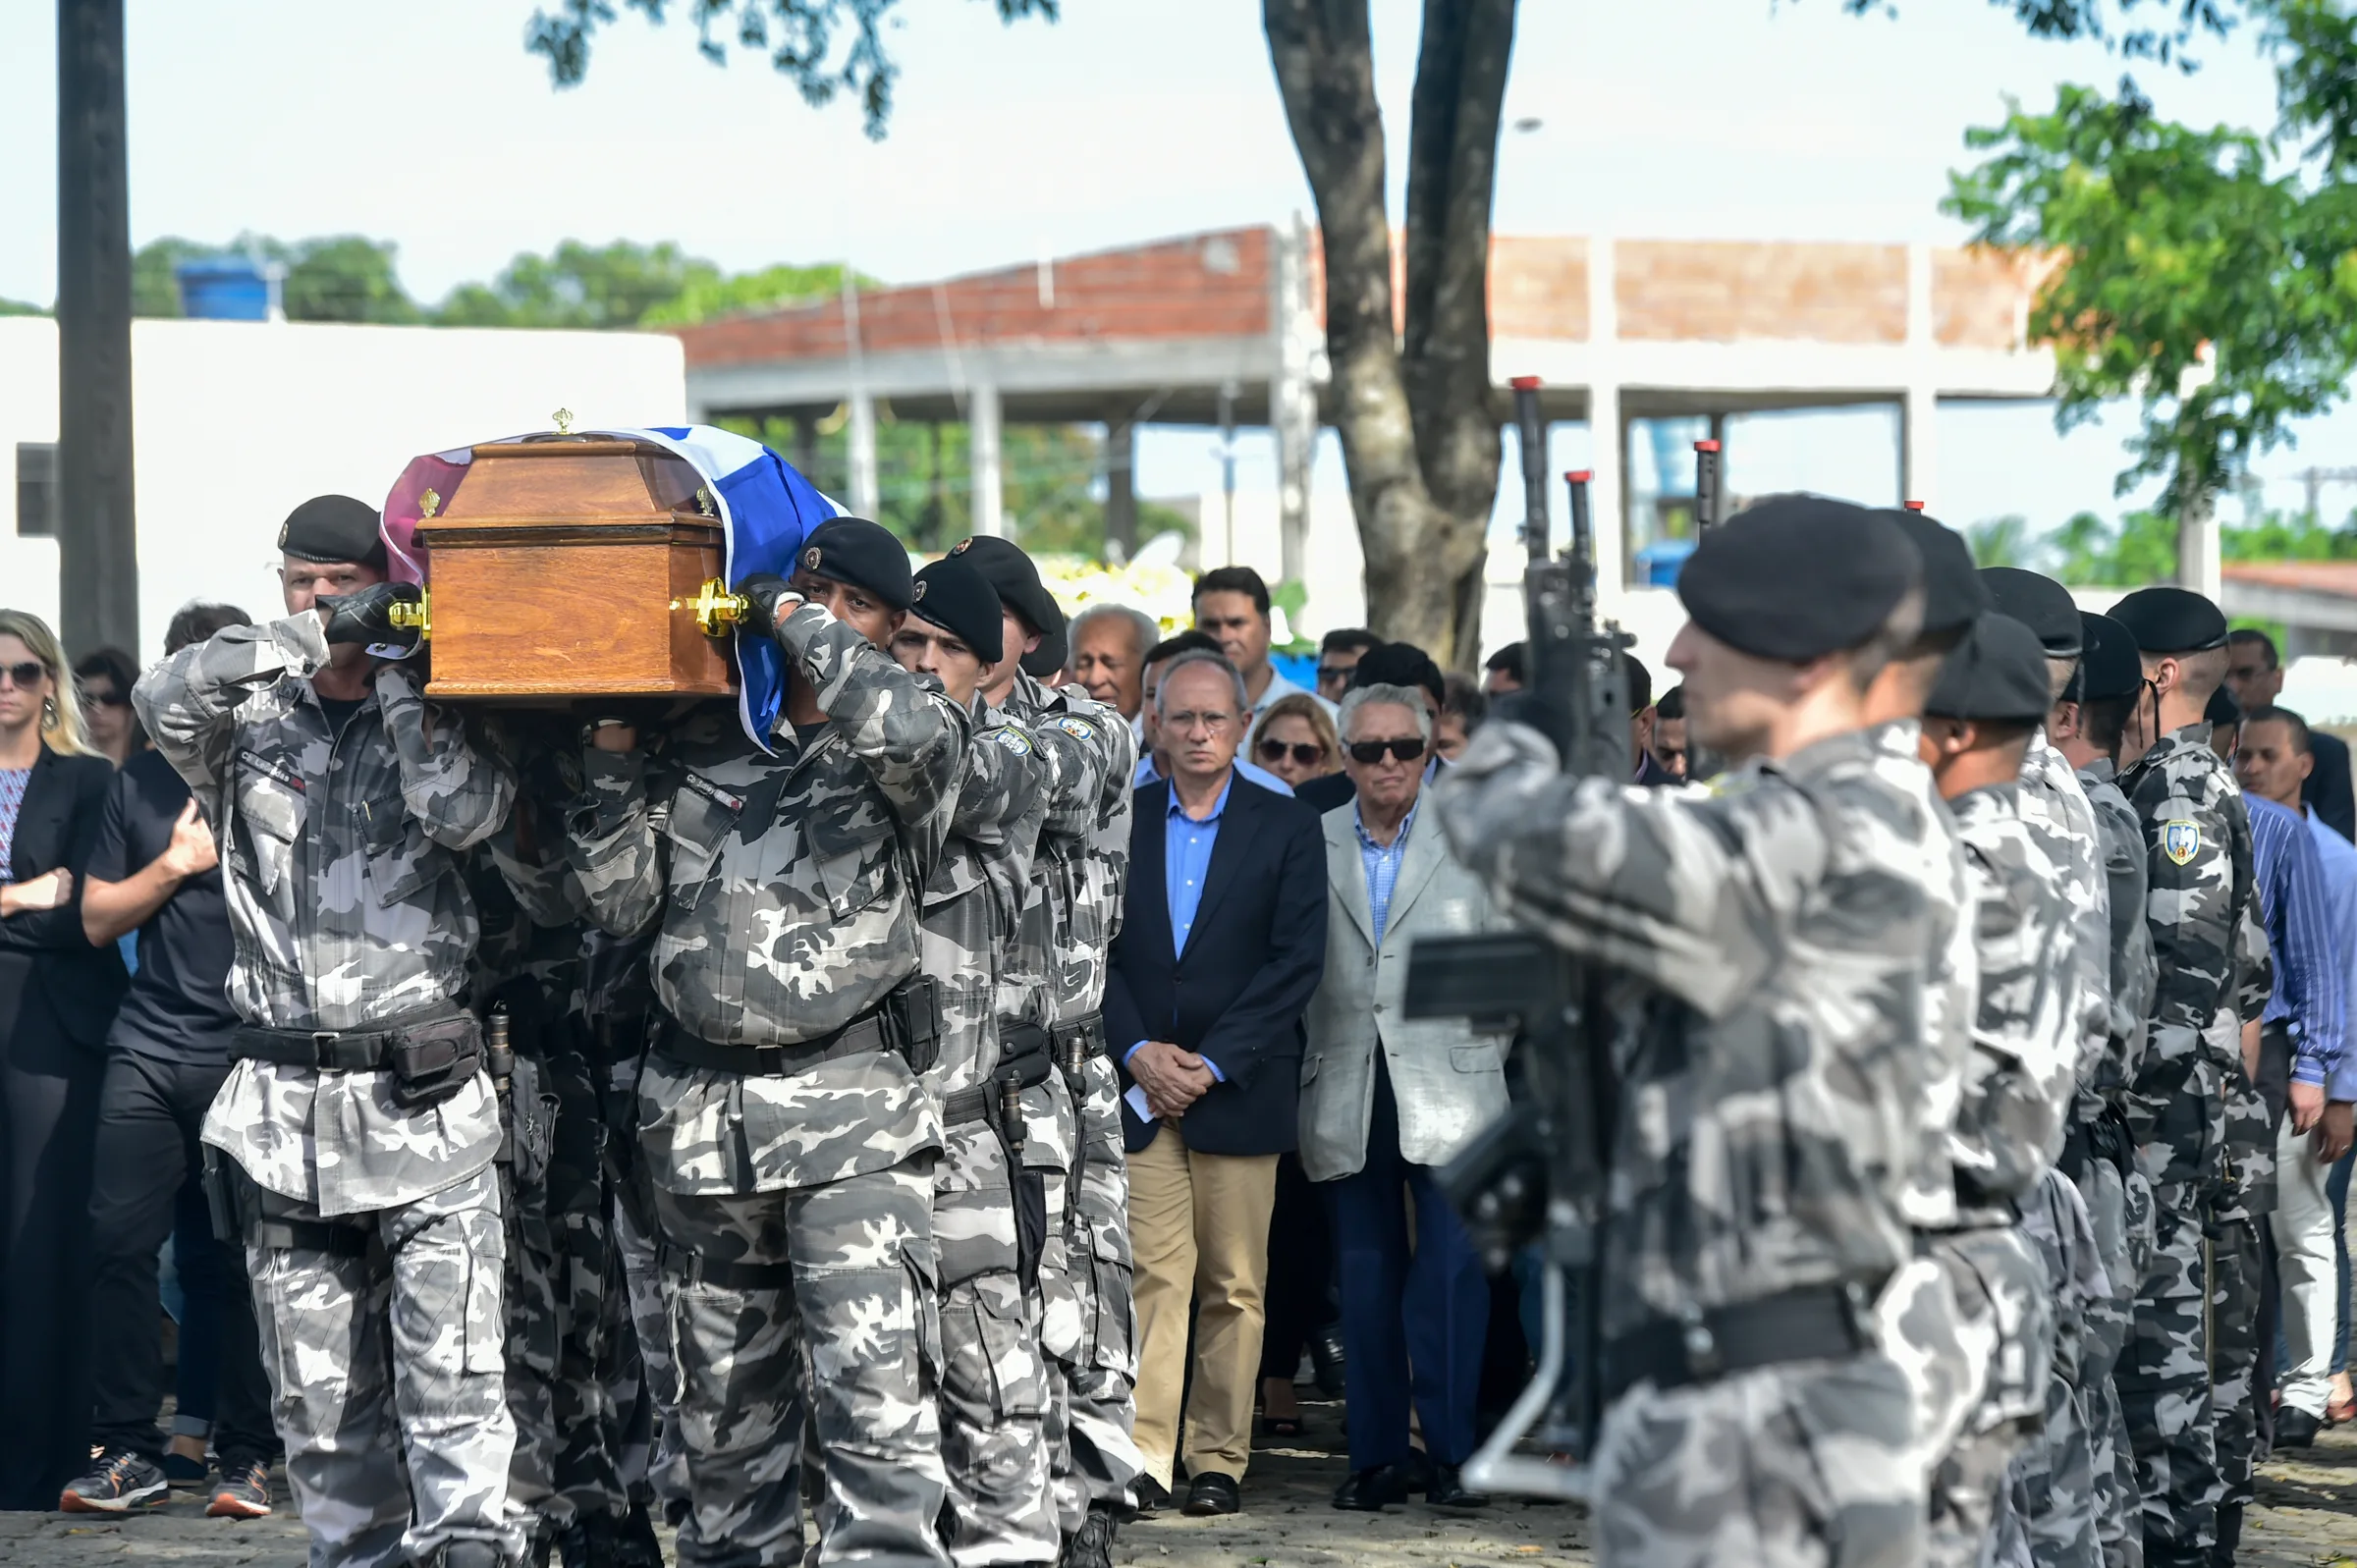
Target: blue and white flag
766	509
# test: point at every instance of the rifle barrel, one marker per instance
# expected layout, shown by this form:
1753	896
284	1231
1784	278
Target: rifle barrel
1531	430
1710	500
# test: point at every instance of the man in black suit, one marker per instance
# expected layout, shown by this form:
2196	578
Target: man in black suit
2254	674
1222	946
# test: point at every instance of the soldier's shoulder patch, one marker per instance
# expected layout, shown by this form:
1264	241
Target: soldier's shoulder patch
1013	739
1077	729
2180	840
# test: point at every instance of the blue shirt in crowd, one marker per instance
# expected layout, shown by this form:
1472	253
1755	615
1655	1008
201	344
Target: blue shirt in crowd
2337	859
2311	974
1382	864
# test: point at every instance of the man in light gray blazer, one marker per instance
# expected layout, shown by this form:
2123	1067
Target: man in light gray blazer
1384	1102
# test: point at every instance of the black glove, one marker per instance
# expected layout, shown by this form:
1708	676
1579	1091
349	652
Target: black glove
366	617
763	591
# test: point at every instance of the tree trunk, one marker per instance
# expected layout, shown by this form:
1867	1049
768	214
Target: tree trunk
1417	416
97	538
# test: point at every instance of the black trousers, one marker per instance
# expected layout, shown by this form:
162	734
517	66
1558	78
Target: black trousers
48	1098
1299	1299
149	1114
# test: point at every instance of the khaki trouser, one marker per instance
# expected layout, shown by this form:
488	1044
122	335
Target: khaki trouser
1199	1231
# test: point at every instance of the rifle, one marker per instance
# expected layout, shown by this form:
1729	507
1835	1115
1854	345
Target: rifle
1710	511
1539	1172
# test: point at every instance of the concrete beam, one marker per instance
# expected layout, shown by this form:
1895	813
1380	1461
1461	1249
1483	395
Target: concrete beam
2302	607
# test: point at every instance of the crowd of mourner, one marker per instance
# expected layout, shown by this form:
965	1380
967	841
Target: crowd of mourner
983	1109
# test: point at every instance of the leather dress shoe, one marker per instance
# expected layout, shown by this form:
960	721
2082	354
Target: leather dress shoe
1370	1490
1325	1360
1213	1493
1448	1490
1152	1495
1416	1471
2295	1427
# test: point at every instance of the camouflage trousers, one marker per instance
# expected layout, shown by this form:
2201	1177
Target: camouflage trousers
2235	1284
2001	1294
2119	1207
993	1377
2164	1383
386	1376
1102	1461
530	1286
852	1320
588	1279
1051	1149
2048	1515
1804	1465
641	1384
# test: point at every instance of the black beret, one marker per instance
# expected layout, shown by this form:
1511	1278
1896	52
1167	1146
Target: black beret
957	598
2222	709
334	528
2039	603
861	553
2168	619
1796	577
1996	673
2108	666
1399	663
1007	570
1952	593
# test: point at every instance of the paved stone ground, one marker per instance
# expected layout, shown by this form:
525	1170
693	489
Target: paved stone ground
2308	1519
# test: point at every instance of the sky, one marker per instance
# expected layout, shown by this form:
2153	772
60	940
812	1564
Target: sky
426	124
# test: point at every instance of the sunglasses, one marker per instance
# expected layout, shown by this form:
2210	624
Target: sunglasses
1272	753
27	675
1367	753
1335	672
109	698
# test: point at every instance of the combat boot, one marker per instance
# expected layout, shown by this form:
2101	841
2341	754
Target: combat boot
1091	1546
470	1554
636	1545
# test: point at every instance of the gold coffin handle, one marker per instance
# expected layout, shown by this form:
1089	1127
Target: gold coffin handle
417	618
717	611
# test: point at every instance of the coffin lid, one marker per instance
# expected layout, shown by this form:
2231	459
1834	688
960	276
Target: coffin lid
554	477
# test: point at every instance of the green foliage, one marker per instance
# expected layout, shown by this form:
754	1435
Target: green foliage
770	288
2210	273
337	277
578	285
18	307
2001	541
2148	30
924	481
822	46
2142	548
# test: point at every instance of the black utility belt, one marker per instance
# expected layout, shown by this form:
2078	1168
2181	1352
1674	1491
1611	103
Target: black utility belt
1818	1322
1025	1060
1078	1040
907	1022
431	1053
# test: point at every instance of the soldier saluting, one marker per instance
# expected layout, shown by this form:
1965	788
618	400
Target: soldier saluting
1767	954
787	1136
357	1117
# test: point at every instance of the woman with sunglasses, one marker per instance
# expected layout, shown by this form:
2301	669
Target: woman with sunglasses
57	997
103	677
1294	739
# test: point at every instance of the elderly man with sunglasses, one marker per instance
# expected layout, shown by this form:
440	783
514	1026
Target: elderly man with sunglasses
1385	1102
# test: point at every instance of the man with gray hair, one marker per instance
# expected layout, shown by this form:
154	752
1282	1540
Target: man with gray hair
1385	1102
1110	644
1222	940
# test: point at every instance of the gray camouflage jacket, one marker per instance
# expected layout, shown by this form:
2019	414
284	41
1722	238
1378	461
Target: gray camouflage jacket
1084	847
973	898
2057	811
2197	840
2126	878
785	888
1769	1013
343	862
2026	1036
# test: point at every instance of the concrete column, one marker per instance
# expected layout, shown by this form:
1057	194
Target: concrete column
1121	484
1293	400
1919	413
982	428
1607	430
2198	552
862	428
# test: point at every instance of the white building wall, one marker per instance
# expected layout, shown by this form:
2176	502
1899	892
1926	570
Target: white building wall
236	423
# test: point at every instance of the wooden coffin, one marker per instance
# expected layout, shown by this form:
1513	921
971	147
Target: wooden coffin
554	571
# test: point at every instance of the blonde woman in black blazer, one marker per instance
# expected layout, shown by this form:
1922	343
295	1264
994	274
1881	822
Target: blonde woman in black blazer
57	997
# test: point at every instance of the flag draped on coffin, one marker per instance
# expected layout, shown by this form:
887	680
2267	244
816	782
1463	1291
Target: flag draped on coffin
766	508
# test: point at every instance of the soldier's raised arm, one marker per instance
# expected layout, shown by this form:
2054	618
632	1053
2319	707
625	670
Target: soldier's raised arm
188	703
1692	895
611	843
908	734
460	791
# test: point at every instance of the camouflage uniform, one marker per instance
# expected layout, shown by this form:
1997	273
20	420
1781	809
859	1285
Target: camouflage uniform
994	1378
2026	1043
1769	953
1088	1320
381	1330
2050	1516
2054	1471
795	1196
2101	1161
2246	1196
2197	843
